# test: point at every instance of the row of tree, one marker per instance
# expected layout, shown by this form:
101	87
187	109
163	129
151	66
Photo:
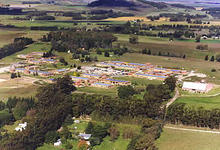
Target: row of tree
18	45
179	113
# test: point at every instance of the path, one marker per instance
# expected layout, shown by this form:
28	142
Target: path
193	130
177	94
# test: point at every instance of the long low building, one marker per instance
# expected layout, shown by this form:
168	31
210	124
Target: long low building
101	85
149	76
197	87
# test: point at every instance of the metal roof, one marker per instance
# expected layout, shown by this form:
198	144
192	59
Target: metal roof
151	75
102	84
114	80
81	78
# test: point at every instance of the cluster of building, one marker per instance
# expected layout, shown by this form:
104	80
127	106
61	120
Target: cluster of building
147	70
103	74
32	62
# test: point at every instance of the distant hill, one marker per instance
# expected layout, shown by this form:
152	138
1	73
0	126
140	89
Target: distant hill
111	3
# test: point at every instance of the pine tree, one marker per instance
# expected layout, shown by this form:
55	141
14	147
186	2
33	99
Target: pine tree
206	58
212	58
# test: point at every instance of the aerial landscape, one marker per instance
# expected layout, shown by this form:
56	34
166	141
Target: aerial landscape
109	75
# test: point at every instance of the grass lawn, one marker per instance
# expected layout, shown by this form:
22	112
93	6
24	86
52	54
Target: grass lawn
139	81
206	102
187	140
94	90
27	91
119	144
163	45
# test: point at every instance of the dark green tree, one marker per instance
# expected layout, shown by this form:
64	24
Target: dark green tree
126	91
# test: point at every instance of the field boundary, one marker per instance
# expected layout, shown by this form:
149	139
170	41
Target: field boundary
194	130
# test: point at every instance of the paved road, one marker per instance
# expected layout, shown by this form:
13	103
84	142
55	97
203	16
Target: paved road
194	130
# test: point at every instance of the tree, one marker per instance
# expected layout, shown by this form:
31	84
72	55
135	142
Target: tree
114	133
133	39
206	57
65	134
106	54
51	137
184	56
13	75
198	38
126	91
89	128
145	142
65	84
20	109
212	58
2	105
218	58
144	51
11	103
171	82
99	52
159	54
68	121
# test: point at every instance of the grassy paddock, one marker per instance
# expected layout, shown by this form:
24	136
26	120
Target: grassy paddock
187	140
206	102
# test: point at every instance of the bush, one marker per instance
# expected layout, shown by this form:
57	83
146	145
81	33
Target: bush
213	70
126	91
202	47
51	137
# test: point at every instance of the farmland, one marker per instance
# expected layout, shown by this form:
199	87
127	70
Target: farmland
109	78
187	140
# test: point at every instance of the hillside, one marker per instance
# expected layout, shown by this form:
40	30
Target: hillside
112	3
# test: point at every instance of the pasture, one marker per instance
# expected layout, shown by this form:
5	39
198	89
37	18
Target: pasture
208	102
163	45
170	62
187	140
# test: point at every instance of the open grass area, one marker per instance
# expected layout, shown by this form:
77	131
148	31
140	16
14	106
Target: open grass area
206	102
163	45
187	140
27	91
139	81
119	144
94	90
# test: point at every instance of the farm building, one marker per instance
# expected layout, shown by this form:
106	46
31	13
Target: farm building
91	75
101	85
44	73
197	87
85	136
149	76
79	78
60	71
22	70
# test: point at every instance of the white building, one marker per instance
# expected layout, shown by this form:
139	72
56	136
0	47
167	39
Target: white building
58	143
21	126
197	87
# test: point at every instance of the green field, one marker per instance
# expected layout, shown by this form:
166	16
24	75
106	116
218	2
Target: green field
206	102
188	140
94	90
163	45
